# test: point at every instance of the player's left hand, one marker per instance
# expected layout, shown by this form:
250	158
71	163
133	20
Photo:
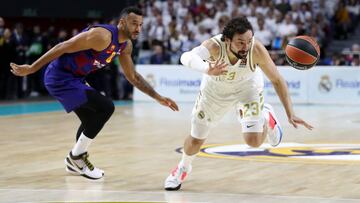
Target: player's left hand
20	70
295	121
169	103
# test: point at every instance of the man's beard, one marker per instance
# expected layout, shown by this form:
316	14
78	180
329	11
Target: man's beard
129	35
127	32
238	55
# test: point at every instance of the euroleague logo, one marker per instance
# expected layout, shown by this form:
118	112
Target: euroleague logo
286	152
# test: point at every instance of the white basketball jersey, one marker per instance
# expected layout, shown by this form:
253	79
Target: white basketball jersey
243	74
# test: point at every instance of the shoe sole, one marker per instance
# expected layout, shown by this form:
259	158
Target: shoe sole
173	188
71	171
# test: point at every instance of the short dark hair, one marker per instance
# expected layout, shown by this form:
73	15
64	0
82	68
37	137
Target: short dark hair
126	11
236	25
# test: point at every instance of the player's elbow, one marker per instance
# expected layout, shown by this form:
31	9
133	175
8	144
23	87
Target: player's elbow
277	82
185	59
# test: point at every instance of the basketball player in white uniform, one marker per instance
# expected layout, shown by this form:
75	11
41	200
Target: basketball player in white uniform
231	62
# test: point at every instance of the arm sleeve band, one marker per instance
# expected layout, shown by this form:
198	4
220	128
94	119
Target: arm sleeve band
195	59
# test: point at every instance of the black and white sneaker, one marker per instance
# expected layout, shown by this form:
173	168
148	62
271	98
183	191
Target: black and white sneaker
80	165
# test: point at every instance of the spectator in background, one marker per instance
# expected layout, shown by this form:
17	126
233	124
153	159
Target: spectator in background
353	8
158	31
8	54
342	21
74	32
356	60
159	56
202	34
338	60
21	41
222	10
223	20
190	43
62	36
263	35
287	28
283	7
174	46
183	9
2	26
355	48
35	81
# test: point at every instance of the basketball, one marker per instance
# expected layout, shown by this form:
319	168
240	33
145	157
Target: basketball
302	52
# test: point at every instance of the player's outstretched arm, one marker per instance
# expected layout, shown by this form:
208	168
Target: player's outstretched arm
96	38
263	59
139	82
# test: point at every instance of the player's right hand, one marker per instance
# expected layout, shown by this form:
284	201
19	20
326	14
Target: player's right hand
20	70
217	68
295	121
169	103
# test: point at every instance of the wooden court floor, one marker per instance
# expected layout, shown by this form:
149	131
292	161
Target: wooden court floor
137	150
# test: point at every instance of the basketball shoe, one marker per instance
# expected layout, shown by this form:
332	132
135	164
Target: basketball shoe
80	165
273	126
177	177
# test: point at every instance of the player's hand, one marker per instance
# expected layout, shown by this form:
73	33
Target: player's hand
217	68
295	121
169	103
20	70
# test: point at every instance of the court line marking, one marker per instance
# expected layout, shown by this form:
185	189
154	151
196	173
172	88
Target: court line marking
181	192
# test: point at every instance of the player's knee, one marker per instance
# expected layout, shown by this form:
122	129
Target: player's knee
105	109
253	139
199	132
109	109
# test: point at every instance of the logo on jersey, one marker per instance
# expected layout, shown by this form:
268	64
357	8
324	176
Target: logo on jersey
97	64
201	115
287	152
242	63
111	49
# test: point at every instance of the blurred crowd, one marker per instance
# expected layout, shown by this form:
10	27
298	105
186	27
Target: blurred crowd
174	26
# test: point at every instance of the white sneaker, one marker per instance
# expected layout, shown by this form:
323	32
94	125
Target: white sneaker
177	177
80	165
274	128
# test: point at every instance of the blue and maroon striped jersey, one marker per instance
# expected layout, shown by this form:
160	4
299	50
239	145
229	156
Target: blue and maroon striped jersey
83	62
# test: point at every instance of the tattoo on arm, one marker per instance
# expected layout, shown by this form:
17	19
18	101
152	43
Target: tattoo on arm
144	86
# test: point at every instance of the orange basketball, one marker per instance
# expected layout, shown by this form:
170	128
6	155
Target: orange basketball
302	52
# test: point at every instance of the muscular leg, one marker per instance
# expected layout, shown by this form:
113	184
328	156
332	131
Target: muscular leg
192	145
93	115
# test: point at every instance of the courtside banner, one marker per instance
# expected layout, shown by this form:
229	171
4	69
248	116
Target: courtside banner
297	82
177	82
319	85
334	85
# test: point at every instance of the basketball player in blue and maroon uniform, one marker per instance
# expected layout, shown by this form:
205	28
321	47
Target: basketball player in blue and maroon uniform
71	61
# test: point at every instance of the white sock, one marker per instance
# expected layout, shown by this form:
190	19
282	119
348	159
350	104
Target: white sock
187	160
81	145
